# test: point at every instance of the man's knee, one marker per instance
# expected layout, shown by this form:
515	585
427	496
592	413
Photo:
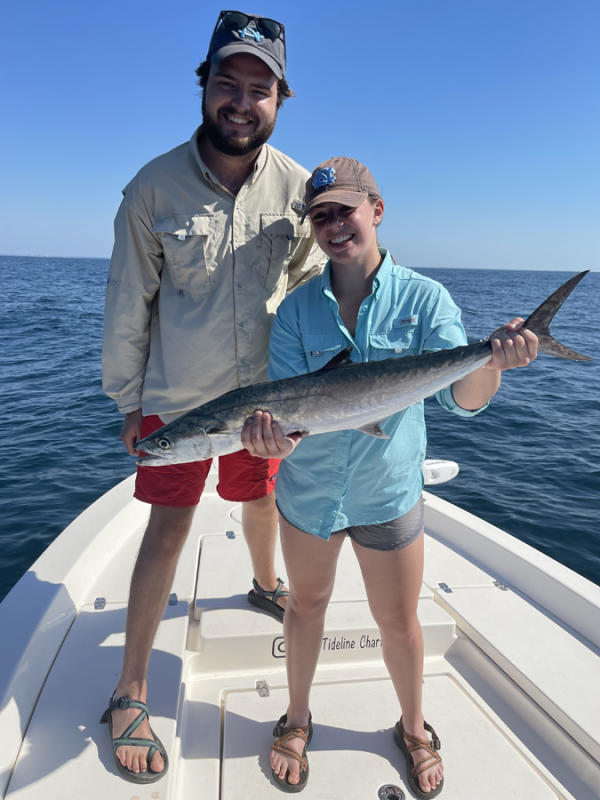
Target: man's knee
167	530
263	506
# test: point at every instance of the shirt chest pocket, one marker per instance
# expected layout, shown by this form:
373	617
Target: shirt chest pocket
402	339
189	247
320	349
280	236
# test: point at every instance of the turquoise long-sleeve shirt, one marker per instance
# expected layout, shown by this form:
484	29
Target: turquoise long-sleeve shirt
333	480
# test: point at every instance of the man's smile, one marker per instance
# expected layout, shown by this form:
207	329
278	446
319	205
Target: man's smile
237	119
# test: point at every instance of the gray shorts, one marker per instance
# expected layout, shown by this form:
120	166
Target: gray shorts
392	535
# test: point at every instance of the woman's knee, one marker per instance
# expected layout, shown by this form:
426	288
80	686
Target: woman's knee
308	604
400	626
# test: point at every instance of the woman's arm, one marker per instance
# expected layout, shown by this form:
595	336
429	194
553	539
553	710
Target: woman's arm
511	348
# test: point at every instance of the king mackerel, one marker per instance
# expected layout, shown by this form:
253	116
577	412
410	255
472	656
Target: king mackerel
341	396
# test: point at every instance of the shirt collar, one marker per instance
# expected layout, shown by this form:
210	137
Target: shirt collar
385	269
209	176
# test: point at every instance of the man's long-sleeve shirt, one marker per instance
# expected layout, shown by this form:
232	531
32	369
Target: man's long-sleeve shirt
196	276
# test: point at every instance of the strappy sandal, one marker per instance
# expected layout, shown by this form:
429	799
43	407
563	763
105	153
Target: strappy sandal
414	770
154	745
280	745
267	601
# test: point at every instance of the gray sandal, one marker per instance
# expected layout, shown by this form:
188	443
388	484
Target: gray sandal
267	601
154	745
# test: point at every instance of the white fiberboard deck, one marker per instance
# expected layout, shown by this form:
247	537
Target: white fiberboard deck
511	727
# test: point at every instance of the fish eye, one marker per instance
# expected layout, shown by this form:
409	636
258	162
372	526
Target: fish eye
163	443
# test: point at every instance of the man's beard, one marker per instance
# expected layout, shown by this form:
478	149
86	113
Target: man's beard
229	144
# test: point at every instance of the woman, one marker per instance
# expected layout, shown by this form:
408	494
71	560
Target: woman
349	483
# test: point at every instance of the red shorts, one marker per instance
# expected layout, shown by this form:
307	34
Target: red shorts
242	477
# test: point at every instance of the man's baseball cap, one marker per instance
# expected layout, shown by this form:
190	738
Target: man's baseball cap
236	32
339	180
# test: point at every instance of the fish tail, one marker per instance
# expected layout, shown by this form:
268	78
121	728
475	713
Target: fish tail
539	322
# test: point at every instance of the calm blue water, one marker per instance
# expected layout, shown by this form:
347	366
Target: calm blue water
530	464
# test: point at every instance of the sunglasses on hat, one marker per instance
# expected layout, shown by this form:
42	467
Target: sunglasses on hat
237	20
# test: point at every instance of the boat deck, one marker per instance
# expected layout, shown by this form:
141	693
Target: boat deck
511	691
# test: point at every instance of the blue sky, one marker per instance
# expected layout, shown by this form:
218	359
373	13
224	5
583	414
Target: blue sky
480	119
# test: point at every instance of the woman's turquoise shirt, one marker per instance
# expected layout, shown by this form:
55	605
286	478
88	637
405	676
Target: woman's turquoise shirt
333	480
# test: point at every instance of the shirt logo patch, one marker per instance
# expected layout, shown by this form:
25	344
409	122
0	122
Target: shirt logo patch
324	177
406	321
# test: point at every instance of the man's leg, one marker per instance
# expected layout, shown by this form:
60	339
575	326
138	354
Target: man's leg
259	521
251	480
150	585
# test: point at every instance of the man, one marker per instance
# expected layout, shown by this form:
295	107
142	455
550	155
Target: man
208	240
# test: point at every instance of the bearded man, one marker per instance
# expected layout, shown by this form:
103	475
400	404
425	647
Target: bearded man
208	241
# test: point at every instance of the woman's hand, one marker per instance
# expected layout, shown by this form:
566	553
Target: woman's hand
512	346
262	436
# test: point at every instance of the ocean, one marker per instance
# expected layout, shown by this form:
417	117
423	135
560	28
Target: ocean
529	464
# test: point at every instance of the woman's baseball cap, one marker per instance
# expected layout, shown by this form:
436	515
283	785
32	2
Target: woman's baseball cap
339	180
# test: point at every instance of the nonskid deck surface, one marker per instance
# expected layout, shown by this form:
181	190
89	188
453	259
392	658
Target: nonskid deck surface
217	685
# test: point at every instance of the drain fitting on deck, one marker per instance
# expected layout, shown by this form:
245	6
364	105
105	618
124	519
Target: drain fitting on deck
390	792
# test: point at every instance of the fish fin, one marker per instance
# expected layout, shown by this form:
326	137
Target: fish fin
342	359
539	322
216	426
373	429
214	430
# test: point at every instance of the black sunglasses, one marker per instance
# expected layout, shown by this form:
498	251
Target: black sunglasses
236	20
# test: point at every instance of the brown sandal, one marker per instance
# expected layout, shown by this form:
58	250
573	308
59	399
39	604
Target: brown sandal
280	745
414	770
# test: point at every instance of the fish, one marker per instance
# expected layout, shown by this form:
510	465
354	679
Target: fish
342	395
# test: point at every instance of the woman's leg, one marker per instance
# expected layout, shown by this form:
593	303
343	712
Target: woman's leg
310	563
393	581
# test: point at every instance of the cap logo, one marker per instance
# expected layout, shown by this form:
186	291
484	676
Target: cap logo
250	33
324	177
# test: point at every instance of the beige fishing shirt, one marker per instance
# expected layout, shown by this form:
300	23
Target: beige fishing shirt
196	277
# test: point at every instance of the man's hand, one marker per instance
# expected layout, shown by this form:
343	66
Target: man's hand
131	431
262	436
512	347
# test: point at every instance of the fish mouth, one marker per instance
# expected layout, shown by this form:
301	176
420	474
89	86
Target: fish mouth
154	460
